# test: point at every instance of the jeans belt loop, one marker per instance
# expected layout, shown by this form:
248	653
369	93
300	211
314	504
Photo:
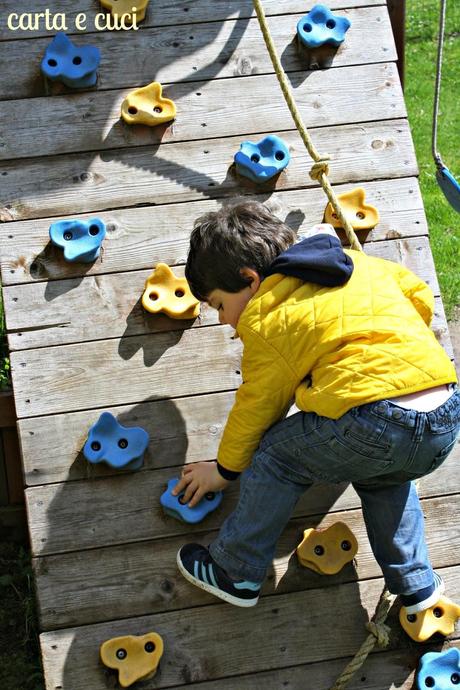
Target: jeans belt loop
420	422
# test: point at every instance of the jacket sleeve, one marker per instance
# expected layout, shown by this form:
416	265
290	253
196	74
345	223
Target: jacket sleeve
416	290
268	387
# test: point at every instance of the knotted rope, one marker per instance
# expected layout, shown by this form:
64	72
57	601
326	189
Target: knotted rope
320	168
379	634
378	631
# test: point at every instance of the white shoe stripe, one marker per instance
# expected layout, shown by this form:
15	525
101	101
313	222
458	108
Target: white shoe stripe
212	577
203	574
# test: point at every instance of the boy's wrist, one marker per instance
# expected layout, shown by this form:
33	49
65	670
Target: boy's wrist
230	475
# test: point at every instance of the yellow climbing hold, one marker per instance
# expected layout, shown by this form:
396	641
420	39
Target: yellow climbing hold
126	7
326	551
146	106
361	216
165	292
439	618
134	657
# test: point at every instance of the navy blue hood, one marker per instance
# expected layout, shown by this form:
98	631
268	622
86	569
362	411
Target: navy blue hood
319	259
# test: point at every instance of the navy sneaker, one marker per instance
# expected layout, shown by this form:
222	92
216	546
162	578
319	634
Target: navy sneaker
198	567
424	598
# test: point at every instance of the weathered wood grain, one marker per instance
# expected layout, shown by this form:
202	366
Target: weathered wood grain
62	371
45	462
139	579
163	13
61	323
122	371
202	52
138	238
90	309
61	379
212	641
383	671
108	306
126	508
79	183
219	108
206	642
186	430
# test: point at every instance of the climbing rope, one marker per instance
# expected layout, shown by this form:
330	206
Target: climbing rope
378	631
437	88
320	168
379	634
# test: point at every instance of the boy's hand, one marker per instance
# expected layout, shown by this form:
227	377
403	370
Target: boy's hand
197	480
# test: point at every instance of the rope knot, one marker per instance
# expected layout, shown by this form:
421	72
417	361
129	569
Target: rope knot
380	631
319	168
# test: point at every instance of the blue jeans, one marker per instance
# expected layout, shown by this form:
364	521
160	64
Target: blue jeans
380	448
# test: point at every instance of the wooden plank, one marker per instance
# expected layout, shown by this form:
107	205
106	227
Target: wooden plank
440	328
212	641
140	237
104	306
219	108
397	12
60	323
384	670
126	508
198	419
112	309
84	115
68	373
186	430
139	579
200	52
128	177
90	309
161	13
98	374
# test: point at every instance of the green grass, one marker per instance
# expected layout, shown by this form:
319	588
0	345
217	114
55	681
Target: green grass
421	50
20	667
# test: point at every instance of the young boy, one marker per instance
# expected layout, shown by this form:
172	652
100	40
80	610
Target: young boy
348	336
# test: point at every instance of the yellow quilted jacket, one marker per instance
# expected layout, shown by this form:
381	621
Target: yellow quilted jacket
331	348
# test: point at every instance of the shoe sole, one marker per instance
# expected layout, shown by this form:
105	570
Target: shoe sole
243	603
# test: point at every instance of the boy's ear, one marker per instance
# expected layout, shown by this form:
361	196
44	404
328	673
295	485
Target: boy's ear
253	276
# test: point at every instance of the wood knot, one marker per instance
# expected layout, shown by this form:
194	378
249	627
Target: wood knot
167	586
244	67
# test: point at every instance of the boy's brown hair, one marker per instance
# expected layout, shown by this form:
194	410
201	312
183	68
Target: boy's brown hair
235	237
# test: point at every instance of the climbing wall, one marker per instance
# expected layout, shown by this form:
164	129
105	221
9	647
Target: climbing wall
104	552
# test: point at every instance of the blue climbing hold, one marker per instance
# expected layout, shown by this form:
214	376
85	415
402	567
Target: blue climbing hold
74	66
181	511
119	446
81	240
262	161
320	26
439	670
